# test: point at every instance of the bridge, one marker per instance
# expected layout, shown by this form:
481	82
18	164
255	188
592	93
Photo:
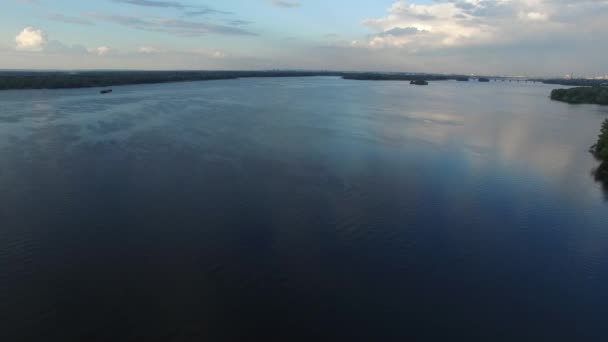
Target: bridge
518	79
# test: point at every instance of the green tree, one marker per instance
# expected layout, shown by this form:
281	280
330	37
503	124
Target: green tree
601	148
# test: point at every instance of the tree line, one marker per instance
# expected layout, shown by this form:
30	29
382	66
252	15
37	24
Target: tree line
591	95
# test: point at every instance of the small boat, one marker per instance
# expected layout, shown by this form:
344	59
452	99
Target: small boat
105	91
419	82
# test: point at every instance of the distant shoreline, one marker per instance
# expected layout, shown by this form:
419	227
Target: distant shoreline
21	80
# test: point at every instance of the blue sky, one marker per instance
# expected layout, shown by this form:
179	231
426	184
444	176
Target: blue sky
468	36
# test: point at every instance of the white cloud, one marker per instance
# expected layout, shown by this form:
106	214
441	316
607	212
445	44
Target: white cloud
31	39
540	37
533	16
445	22
449	23
100	51
149	50
214	54
479	36
218	54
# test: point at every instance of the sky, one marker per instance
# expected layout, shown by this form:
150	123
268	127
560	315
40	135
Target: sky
494	37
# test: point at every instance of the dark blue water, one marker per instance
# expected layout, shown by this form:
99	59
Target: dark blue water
301	209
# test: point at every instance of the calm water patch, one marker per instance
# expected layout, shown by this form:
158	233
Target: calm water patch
301	208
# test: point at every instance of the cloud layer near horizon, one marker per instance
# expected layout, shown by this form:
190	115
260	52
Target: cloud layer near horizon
478	36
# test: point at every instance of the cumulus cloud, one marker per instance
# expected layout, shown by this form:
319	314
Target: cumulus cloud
440	20
149	50
218	54
31	39
214	54
100	51
480	36
533	16
454	23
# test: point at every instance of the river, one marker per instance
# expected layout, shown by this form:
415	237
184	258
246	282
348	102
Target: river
301	208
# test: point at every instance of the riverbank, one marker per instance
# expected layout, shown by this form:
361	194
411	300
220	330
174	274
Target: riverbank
581	95
89	79
600	151
582	82
16	80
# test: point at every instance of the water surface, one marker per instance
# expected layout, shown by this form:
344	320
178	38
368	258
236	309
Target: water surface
301	208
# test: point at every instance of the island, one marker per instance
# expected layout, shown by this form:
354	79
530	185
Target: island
483	79
580	95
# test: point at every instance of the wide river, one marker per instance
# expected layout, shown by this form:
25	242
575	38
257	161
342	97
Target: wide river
301	209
